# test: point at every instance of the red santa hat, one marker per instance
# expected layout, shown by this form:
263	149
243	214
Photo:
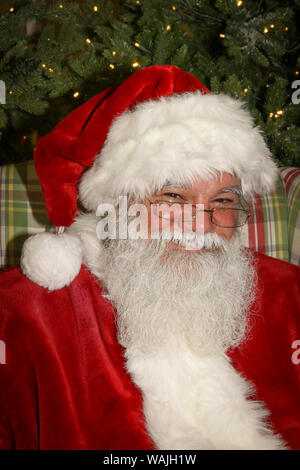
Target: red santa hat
160	124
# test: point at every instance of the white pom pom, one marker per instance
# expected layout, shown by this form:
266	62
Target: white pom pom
51	260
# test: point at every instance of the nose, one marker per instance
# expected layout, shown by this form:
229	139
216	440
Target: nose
200	223
208	226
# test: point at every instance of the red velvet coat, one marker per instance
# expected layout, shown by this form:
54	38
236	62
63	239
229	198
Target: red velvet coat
64	383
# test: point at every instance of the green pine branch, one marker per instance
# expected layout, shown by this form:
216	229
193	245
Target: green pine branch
250	51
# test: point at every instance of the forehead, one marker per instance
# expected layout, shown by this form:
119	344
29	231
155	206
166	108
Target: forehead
218	182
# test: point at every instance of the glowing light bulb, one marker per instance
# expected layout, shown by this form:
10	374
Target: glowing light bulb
266	30
76	94
168	27
111	66
95	8
88	41
135	65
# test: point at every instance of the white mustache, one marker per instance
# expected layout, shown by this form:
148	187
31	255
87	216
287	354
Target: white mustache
193	240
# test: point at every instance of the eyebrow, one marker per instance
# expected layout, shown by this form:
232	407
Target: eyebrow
175	185
231	189
228	189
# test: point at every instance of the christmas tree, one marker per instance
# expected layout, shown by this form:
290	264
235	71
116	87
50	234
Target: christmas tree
57	54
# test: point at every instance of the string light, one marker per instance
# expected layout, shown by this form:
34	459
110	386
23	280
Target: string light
44	66
245	90
271	26
24	139
173	8
114	53
50	69
88	41
10	92
168	27
137	44
61	6
239	4
278	114
138	2
286	28
222	36
297	72
76	94
135	65
267	85
11	9
111	66
266	30
95	8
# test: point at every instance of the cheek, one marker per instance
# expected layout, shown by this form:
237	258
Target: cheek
150	223
226	233
156	224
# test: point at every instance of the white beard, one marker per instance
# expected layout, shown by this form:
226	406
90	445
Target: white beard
202	298
177	316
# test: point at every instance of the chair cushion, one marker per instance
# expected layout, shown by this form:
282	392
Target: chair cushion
267	228
22	210
291	178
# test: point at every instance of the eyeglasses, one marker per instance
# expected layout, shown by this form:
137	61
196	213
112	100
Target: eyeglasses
226	217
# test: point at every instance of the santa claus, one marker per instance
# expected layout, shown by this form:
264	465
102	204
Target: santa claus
169	339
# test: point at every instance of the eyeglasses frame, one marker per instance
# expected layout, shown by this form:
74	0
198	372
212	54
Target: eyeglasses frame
209	211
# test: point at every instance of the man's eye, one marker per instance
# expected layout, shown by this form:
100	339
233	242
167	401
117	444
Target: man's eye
223	200
172	195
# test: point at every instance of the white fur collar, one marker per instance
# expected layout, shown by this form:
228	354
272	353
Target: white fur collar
198	403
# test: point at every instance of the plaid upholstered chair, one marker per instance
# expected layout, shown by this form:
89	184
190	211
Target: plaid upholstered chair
273	228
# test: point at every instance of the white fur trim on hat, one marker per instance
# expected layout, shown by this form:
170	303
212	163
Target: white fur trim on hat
51	260
177	138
